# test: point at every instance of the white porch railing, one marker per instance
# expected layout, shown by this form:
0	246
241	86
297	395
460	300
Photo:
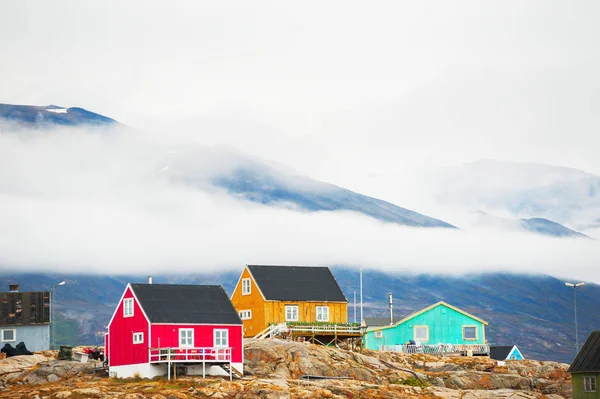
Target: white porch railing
279	329
325	329
440	349
163	355
192	355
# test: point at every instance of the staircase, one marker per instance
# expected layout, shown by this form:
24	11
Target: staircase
272	330
266	333
231	371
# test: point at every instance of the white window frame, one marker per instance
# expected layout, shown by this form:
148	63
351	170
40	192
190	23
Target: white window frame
223	335
415	334
246	286
4	331
128	307
292	312
589	383
245	314
138	338
322	313
187	338
476	333
378	334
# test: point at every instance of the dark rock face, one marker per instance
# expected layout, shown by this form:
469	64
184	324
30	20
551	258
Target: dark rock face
39	116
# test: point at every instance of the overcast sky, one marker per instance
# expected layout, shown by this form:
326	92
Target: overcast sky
364	95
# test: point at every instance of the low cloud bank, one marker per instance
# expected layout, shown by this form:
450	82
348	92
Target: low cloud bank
75	201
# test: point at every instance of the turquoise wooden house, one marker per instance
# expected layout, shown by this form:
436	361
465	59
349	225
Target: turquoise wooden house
438	328
505	353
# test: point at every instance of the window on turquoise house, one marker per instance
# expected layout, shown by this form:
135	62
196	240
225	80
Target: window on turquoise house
421	333
469	333
589	383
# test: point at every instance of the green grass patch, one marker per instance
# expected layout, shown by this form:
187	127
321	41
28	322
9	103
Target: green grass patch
413	382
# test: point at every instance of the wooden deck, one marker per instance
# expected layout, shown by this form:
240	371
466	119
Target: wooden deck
329	334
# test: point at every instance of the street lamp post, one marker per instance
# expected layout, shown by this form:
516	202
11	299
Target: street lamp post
52	314
575	285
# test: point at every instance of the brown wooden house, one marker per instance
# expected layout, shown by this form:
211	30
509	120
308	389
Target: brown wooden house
267	295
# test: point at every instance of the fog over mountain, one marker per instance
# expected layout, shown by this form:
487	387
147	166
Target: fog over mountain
83	200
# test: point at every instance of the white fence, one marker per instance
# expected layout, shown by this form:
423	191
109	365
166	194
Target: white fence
440	349
160	355
284	328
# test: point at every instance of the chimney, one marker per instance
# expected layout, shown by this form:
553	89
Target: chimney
149	279
13	287
391	311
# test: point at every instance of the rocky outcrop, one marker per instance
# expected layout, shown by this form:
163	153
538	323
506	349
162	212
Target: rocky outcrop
38	369
274	370
286	359
292	360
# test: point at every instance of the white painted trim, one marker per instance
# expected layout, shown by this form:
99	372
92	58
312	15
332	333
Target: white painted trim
14	331
215	337
249	280
179	338
317	313
121	300
125	301
255	283
140	305
118	304
249	311
515	349
141	340
285	312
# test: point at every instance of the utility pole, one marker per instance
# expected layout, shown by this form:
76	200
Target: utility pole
361	296
391	309
575	285
355	306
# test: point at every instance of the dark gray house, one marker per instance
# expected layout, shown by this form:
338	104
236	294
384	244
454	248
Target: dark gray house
25	317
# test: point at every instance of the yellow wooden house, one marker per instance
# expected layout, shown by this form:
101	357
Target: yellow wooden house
286	294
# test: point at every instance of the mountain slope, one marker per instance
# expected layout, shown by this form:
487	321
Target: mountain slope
39	116
269	187
262	182
534	312
548	227
533	225
525	190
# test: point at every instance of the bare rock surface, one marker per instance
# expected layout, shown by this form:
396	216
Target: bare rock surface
274	370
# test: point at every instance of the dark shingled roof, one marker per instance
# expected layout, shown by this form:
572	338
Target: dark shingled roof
588	358
500	352
193	304
377	321
297	283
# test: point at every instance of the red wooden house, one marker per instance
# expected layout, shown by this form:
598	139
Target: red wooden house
156	326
